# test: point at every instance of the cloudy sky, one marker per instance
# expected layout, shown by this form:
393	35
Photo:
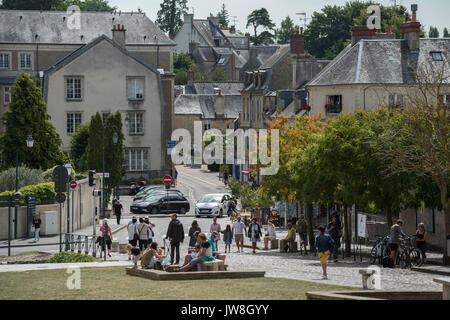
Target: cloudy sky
431	12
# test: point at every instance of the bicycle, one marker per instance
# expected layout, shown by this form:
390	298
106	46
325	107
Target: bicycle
408	255
379	250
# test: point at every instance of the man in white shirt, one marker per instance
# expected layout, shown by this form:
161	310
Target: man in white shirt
238	233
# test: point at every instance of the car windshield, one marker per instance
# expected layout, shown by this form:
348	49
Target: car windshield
147	190
211	198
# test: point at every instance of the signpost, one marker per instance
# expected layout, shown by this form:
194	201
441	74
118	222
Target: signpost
167	181
31	211
73	184
60	176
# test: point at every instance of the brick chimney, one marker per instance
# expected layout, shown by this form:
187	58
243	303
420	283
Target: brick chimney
297	42
190	76
361	32
219	106
410	30
232	29
119	35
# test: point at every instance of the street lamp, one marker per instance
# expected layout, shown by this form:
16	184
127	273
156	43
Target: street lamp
68	167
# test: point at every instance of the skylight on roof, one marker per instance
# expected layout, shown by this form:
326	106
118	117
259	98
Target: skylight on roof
437	56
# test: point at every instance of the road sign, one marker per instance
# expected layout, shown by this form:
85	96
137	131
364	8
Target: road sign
60	197
167	180
100	174
73	184
60	176
362	225
171	143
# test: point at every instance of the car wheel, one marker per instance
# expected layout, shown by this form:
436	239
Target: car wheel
182	211
155	210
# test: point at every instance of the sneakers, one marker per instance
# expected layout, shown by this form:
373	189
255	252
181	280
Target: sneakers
324	278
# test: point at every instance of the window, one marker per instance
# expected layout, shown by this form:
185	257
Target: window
5	60
334	104
73	121
207	125
73	89
135	89
136	125
445	99
436	56
136	159
7	95
395	100
26	61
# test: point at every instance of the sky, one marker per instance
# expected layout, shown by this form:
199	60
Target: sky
431	12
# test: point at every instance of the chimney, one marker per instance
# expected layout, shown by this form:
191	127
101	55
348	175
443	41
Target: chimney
297	42
190	76
119	35
214	21
171	36
219	106
361	32
247	35
410	30
232	29
188	18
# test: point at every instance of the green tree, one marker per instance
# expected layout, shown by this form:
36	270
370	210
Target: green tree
79	147
218	75
259	18
283	34
95	144
27	115
433	33
29	4
86	5
182	62
446	34
170	15
224	19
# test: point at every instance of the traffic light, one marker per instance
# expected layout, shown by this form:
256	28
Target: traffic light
91	178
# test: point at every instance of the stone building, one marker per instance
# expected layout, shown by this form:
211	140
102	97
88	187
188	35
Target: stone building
111	62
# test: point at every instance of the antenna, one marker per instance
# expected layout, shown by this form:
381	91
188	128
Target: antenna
193	10
234	18
304	19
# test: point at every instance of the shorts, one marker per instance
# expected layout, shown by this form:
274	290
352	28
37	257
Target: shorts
393	246
323	256
239	238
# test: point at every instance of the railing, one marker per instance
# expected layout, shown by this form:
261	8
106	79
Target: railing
81	243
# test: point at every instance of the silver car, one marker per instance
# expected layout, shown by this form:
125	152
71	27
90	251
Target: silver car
212	205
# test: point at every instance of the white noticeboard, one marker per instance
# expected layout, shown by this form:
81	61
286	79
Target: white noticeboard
362	225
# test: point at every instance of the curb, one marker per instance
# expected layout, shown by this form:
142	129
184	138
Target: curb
432	271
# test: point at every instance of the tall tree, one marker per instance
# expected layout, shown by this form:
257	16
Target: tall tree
433	33
79	147
170	15
94	154
259	18
223	16
182	62
283	34
86	5
446	34
27	116
114	152
29	4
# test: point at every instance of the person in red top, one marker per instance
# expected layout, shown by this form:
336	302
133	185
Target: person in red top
106	237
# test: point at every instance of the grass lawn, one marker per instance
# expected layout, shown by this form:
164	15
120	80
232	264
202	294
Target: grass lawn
27	253
113	283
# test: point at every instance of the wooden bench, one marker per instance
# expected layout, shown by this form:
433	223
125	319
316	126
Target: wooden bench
445	287
210	265
366	274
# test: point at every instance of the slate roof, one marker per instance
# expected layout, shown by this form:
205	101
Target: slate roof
52	27
382	62
276	57
228	88
203	104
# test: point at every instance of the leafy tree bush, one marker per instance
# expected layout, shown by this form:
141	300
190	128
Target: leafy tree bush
69	256
26	177
79	145
44	192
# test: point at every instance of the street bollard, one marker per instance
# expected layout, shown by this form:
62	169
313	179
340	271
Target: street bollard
79	243
72	242
94	251
86	245
67	242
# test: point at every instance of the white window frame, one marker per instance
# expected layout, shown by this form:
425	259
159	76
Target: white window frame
207	124
66	86
136	155
9	55
132	81
31	60
74	123
6	93
133	123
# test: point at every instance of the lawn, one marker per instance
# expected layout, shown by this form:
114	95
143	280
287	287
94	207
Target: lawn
113	283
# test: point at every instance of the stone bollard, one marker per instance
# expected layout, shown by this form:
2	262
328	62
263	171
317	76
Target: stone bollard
122	247
282	244
115	246
274	244
293	246
366	274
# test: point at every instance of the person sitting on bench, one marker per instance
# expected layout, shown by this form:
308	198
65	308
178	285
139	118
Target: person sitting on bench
205	254
271	235
216	254
192	250
290	238
152	257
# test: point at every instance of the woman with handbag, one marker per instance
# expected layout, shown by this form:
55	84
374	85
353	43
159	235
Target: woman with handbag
106	237
132	234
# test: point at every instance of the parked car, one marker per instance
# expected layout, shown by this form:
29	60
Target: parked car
160	203
214	204
147	189
156	192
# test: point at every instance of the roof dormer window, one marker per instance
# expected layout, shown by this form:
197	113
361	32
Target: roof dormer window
436	56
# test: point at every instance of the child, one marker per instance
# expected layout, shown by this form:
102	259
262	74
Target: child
135	252
155	257
227	238
324	244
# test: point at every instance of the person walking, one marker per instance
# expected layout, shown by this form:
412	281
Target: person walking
225	176
37	227
117	206
302	228
150	230
256	213
254	233
192	238
142	231
227	238
105	229
324	245
421	240
394	239
215	227
238	229
175	233
334	228
132	234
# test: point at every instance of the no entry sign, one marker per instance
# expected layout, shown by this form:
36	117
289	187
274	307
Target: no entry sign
73	184
167	180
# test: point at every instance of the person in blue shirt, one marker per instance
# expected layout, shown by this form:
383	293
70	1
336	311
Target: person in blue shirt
334	229
324	245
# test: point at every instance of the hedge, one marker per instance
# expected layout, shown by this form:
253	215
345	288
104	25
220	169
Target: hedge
44	192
